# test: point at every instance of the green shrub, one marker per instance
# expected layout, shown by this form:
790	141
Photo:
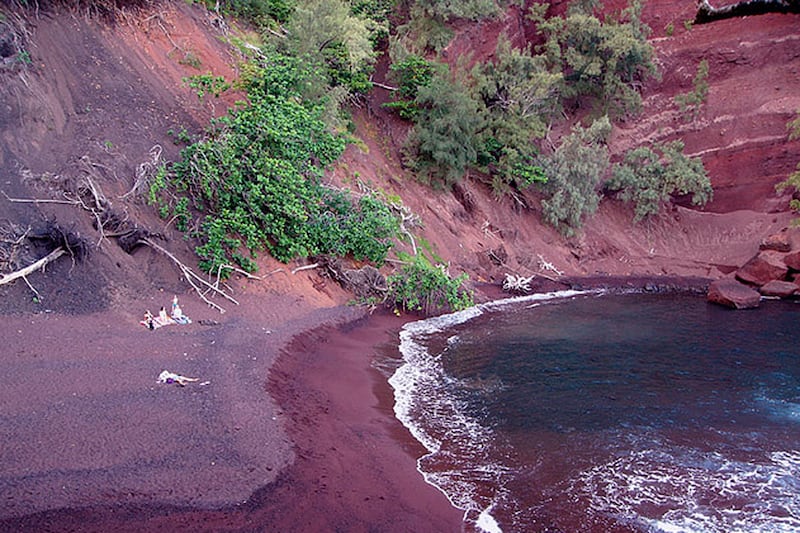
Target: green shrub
793	180
207	84
601	60
255	181
518	96
444	140
424	33
261	13
464	9
422	287
574	172
410	74
649	177
326	32
690	103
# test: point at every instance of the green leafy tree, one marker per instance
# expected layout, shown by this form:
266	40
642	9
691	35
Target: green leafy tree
649	177
421	287
459	9
519	95
254	181
603	60
262	13
444	140
410	74
574	172
317	27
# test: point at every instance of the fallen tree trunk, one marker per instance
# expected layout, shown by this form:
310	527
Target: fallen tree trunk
49	258
707	13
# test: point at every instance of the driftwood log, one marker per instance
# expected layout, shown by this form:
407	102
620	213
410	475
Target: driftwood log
708	13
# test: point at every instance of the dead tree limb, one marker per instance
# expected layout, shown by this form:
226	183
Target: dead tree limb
41	263
192	278
305	267
37	200
384	86
708	13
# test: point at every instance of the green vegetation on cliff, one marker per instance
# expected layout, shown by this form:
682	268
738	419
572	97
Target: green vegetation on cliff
793	180
254	181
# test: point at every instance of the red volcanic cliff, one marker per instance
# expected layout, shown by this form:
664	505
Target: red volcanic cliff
754	90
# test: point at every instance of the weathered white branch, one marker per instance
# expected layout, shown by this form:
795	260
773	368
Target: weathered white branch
49	258
305	267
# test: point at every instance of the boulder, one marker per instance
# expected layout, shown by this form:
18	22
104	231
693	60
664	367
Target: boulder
792	260
781	289
731	293
778	241
766	266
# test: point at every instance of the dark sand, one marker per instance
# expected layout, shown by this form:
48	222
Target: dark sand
91	443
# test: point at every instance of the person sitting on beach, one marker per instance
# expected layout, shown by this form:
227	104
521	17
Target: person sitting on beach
177	313
163	318
148	321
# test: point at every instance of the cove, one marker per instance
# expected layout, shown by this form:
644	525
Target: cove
587	412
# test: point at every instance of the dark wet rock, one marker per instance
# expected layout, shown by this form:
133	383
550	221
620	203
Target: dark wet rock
731	293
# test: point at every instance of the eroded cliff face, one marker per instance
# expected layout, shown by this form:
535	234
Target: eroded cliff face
740	134
754	90
96	98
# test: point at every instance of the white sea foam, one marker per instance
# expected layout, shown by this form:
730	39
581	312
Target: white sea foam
487	523
433	416
778	407
693	491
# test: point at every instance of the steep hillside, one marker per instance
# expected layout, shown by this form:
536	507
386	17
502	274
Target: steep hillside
740	134
94	99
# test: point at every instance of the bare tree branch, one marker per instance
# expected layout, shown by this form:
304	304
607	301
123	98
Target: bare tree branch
49	258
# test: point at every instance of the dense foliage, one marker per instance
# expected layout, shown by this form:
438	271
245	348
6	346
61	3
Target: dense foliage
518	95
420	286
410	74
491	117
603	60
574	172
444	142
455	9
262	13
255	179
649	177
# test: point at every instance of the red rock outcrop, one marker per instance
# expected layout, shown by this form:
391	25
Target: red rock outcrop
766	266
731	293
778	242
754	90
792	261
779	289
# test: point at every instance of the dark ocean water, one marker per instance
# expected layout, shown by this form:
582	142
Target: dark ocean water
609	413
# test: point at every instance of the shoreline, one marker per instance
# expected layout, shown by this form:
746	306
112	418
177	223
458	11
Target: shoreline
351	464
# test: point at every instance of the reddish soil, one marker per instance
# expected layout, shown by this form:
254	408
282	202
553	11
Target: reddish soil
294	431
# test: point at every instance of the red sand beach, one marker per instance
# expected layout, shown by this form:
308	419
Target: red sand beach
92	443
